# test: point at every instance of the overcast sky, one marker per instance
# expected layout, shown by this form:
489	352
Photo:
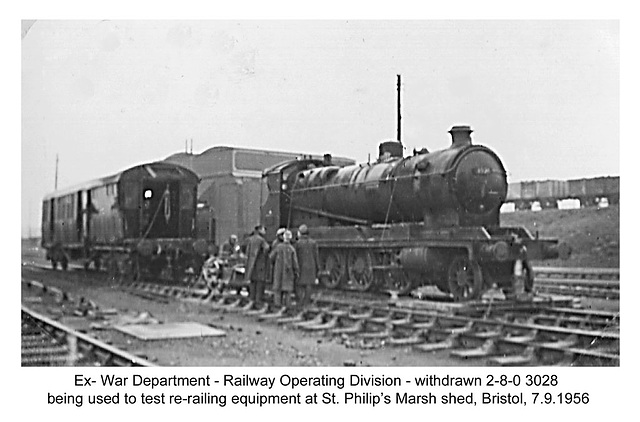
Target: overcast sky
107	95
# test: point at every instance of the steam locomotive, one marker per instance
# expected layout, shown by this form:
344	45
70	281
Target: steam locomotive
139	222
401	222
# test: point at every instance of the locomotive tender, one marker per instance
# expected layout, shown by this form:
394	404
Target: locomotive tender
140	221
432	218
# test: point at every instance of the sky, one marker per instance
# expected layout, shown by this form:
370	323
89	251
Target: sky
102	96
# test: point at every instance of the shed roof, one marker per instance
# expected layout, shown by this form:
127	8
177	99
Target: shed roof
149	168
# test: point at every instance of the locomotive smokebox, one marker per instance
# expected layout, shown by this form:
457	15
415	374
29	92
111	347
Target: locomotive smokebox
460	136
389	149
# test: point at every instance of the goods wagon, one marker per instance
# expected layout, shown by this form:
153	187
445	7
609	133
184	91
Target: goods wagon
591	191
548	192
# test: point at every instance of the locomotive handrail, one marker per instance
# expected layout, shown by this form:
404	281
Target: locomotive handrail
332	215
391	178
161	202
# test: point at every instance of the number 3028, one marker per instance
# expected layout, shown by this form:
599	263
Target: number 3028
542	380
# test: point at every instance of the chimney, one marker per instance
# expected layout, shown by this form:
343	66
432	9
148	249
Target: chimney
460	136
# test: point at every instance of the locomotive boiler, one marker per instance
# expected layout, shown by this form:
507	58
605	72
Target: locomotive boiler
430	218
138	222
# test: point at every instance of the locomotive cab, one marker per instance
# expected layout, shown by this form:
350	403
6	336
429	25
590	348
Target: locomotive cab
277	183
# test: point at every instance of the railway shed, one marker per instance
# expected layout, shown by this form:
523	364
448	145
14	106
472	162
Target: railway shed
230	189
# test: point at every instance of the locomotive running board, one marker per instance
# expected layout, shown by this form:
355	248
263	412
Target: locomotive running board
403	234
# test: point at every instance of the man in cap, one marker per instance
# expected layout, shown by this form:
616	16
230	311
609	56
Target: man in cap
257	267
307	252
279	237
285	269
231	247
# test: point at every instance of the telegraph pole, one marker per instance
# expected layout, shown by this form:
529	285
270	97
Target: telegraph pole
399	109
56	181
29	226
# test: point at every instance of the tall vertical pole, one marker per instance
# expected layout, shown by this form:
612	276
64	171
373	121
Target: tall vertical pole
29	226
399	110
56	181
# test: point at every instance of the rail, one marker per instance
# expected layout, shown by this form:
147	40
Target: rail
47	342
578	273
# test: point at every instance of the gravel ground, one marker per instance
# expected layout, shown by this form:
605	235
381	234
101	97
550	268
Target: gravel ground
247	342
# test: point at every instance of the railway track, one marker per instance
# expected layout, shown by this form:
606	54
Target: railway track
601	283
578	273
538	331
46	342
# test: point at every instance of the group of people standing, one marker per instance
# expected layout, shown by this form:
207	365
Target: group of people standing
292	267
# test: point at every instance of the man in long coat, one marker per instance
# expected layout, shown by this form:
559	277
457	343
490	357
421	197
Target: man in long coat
285	270
257	267
307	251
279	237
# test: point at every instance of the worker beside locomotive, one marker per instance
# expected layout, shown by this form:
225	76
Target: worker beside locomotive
431	218
309	262
257	267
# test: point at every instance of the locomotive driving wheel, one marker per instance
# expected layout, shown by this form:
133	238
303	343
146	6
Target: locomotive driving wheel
464	279
360	270
334	270
397	281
